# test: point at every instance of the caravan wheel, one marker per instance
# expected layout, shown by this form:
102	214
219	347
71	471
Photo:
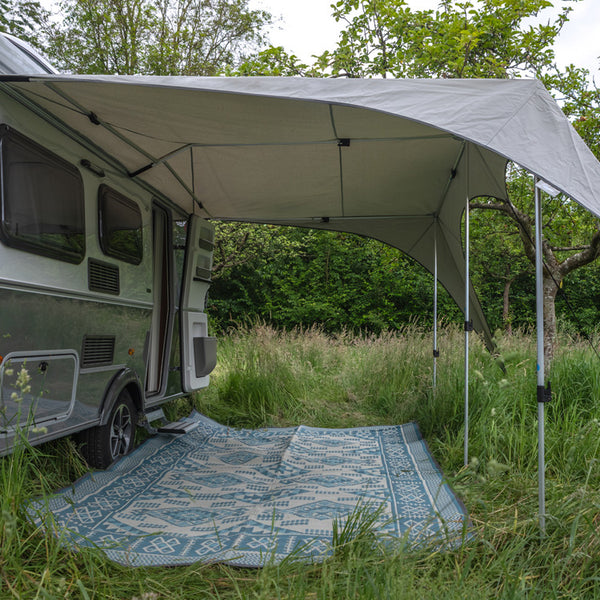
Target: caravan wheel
102	445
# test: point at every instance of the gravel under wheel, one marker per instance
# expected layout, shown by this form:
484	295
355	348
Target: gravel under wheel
102	445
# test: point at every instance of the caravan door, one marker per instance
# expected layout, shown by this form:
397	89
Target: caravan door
198	349
162	312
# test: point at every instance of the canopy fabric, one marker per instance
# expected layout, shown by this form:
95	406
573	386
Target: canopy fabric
389	159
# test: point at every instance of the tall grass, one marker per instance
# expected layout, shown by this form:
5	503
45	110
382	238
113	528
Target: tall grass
267	377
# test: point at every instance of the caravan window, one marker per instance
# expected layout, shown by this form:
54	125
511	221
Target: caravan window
120	226
41	198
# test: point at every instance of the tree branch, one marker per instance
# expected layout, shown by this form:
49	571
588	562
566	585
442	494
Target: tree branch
569	248
500	206
581	258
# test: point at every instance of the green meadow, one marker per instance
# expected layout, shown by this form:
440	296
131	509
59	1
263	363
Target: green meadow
267	377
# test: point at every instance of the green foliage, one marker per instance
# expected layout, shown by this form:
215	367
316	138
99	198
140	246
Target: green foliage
27	473
324	380
289	277
293	277
488	38
23	19
275	61
153	37
501	274
499	258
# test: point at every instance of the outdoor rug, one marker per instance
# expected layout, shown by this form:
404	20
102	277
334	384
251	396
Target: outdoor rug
254	497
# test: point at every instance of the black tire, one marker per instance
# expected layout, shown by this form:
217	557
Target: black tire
102	445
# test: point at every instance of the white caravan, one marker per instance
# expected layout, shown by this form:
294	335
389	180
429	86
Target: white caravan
103	284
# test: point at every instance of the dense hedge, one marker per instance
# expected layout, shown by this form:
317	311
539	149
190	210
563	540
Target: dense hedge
289	277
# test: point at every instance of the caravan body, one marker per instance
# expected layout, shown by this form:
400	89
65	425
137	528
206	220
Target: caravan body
103	285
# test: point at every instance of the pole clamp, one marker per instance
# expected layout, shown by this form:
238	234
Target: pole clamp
436	353
93	117
544	394
469	325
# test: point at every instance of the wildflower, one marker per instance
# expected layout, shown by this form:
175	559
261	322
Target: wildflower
495	468
10	522
23	378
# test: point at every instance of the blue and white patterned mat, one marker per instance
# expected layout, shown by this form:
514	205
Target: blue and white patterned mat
252	497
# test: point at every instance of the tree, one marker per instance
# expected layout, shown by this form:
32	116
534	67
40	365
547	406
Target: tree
22	19
154	37
485	38
566	245
498	267
275	61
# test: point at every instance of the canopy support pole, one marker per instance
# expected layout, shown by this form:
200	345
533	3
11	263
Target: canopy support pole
541	392
468	325
435	302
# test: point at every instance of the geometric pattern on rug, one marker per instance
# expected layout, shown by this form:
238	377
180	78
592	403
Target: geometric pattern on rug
252	497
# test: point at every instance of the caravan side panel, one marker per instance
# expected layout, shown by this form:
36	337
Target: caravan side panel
75	306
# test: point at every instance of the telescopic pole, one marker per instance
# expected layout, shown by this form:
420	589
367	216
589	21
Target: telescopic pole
468	325
541	392
435	302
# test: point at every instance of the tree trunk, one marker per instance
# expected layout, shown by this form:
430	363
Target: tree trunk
549	297
506	306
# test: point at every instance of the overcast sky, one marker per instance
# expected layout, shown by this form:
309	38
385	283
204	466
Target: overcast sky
307	28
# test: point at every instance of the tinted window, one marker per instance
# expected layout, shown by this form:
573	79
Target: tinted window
120	226
42	200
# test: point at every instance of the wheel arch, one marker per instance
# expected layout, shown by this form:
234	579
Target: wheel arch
127	379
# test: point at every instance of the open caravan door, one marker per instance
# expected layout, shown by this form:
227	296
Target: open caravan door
198	350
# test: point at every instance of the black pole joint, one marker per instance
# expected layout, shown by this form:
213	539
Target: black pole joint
544	394
469	325
92	167
141	170
436	353
93	117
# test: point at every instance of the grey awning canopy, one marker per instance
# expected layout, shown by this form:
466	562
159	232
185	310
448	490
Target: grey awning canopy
389	159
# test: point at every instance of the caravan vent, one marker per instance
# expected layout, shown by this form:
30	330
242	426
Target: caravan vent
103	277
98	351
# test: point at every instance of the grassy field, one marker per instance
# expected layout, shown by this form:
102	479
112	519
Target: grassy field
266	377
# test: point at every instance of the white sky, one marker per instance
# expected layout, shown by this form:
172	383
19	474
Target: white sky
307	28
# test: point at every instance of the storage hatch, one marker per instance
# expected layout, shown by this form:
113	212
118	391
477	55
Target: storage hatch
36	388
